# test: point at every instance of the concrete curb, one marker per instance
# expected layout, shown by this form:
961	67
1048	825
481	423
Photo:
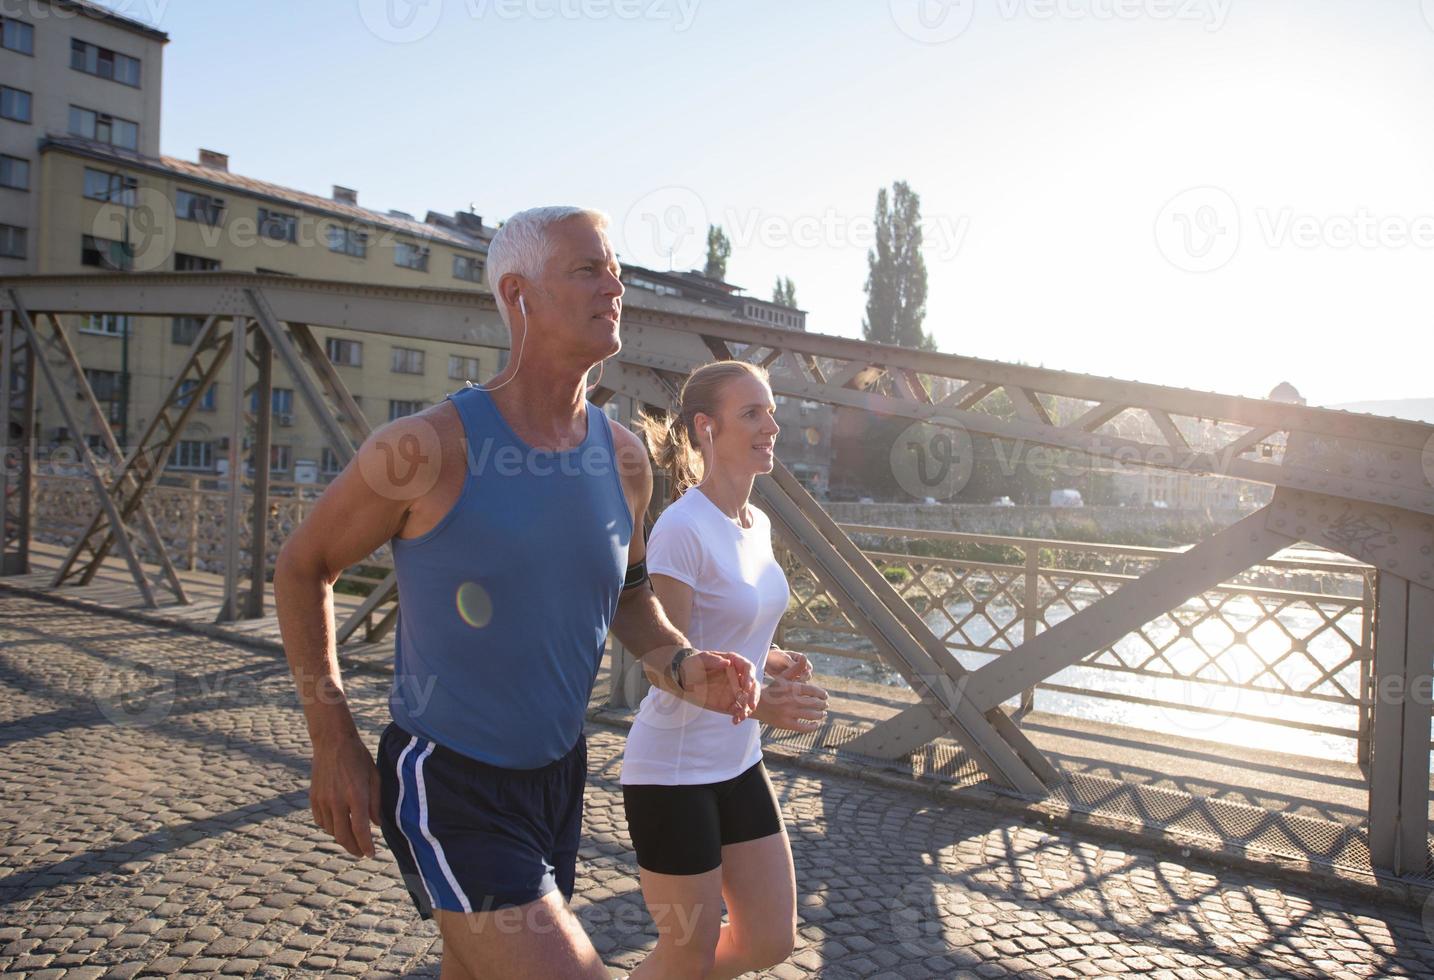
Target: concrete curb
1376	888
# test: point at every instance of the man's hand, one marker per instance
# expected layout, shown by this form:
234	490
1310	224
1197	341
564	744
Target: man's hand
724	682
344	793
792	706
787	664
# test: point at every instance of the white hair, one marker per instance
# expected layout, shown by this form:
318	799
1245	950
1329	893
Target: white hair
522	246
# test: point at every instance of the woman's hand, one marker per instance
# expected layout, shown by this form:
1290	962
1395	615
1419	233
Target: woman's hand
792	705
787	664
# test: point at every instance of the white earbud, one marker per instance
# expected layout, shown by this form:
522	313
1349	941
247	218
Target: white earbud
522	306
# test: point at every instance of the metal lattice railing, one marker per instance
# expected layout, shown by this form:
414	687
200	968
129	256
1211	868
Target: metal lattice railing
1290	630
1270	633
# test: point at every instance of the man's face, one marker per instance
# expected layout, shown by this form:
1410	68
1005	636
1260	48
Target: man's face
581	294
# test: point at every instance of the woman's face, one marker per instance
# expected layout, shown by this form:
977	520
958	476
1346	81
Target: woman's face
744	431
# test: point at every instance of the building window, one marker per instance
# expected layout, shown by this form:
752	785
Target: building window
204	208
104	128
108	324
108	388
13	242
280	459
102	185
462	368
348	353
14	173
468	267
184	329
104	253
348	241
194	263
406	360
14	104
397	409
329	463
278	226
274	272
95	60
206	401
17	35
281	404
411	256
192	454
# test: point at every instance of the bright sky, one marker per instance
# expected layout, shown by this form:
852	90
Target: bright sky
1218	194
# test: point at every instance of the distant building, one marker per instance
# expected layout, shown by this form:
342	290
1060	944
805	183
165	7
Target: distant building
72	68
1285	392
805	443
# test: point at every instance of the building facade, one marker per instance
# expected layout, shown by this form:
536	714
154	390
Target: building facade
68	67
84	189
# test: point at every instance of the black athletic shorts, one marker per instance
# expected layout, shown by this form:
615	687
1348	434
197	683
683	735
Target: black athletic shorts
681	830
471	837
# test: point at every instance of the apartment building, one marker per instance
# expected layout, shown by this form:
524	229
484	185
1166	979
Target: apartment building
805	443
84	189
67	67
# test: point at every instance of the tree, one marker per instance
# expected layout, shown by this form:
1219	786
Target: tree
785	292
896	273
719	249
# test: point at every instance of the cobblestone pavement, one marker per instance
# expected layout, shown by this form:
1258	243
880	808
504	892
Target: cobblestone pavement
155	821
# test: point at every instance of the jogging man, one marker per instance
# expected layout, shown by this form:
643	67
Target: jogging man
514	513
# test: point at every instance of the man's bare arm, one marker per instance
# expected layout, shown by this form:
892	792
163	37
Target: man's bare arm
356	514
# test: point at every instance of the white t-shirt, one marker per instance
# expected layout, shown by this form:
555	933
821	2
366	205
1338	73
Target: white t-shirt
739	596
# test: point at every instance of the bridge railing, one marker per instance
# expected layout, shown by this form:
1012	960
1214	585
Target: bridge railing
1292	632
1288	643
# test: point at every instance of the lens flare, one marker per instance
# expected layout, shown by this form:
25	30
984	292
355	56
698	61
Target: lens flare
474	605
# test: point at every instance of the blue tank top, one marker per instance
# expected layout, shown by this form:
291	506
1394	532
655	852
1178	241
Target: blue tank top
504	606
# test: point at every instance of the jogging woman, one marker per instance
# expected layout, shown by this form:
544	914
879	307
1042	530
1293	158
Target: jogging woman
700	808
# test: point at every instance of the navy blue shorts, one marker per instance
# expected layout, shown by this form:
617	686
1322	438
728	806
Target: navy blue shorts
471	837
